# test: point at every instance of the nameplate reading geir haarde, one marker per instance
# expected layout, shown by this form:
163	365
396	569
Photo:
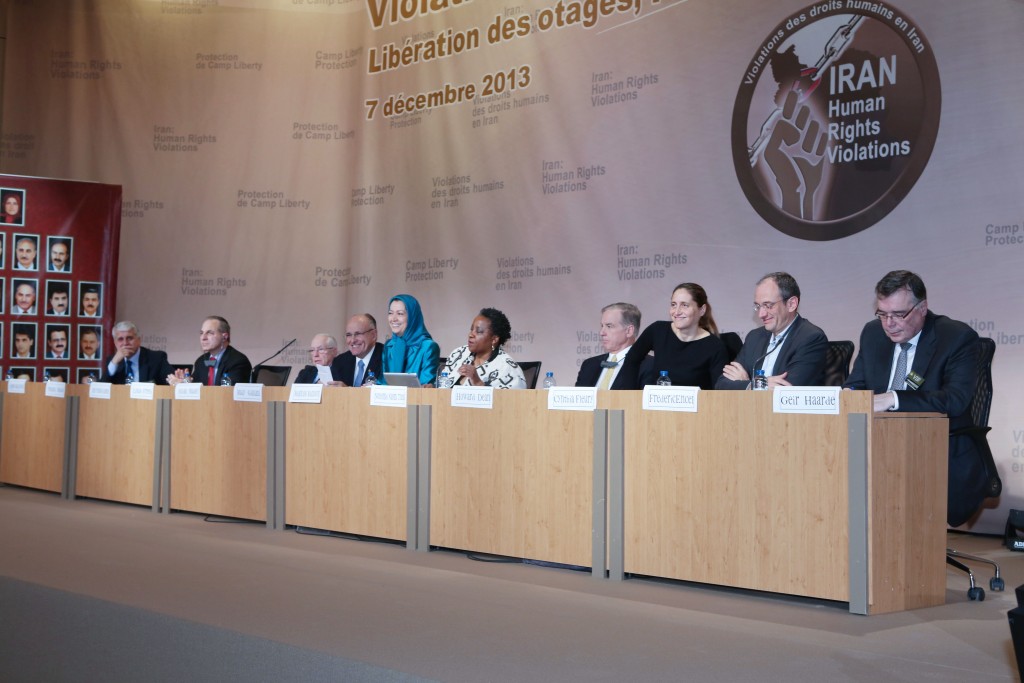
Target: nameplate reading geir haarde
306	393
572	398
676	399
806	400
249	393
389	397
473	397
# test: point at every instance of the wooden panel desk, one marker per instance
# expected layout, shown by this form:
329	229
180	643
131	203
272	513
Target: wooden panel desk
514	481
736	495
32	446
346	465
219	455
117	445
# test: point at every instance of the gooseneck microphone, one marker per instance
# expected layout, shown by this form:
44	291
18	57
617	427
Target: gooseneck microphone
252	374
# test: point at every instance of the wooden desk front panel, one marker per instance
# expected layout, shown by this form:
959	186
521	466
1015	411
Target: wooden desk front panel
736	495
32	450
116	440
513	481
346	465
219	455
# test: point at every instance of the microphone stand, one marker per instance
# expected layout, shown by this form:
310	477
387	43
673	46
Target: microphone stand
252	373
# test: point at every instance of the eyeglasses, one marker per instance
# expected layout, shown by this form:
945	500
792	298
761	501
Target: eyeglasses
767	305
349	335
898	315
321	349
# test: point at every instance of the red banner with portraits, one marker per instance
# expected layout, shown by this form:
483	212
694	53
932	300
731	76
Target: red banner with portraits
58	276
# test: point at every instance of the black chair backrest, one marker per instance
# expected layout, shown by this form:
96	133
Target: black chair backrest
837	362
981	402
531	371
733	344
272	375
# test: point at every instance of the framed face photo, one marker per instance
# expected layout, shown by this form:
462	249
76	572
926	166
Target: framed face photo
59	254
23	296
57	374
90	342
58	298
12	206
58	342
24	251
24	373
90	299
23	341
88	375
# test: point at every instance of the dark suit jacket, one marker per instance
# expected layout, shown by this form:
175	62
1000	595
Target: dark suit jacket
802	355
590	373
153	367
946	357
233	363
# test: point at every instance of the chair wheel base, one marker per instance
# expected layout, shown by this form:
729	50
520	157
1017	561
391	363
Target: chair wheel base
976	593
996	583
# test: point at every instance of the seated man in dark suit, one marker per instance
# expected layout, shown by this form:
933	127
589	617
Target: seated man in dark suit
364	354
620	323
146	365
789	349
916	361
219	360
323	350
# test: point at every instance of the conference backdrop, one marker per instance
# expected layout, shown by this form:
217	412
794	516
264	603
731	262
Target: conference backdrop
289	163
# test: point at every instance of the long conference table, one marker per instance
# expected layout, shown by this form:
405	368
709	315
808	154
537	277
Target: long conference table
847	507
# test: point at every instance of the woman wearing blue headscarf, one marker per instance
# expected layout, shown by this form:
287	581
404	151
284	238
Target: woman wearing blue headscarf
410	348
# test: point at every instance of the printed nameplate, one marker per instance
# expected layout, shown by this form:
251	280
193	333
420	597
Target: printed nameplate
187	391
306	393
677	399
388	396
249	393
55	389
807	400
99	390
572	398
142	390
16	386
473	397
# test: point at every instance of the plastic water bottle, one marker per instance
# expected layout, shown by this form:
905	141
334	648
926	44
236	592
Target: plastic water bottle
91	378
187	378
663	379
225	381
371	379
9	376
549	380
444	381
130	377
46	375
760	382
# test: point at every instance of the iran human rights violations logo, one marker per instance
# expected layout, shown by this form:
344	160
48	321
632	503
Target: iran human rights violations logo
835	118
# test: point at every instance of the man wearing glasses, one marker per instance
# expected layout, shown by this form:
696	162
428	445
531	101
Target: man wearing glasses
322	350
916	361
789	349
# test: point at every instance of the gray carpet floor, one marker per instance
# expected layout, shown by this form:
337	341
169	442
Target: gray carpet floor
94	591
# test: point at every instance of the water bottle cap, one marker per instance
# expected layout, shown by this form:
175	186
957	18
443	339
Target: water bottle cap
664	372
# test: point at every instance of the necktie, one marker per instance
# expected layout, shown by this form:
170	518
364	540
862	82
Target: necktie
212	374
899	378
358	382
606	378
127	368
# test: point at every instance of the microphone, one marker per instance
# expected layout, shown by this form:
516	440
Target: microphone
252	374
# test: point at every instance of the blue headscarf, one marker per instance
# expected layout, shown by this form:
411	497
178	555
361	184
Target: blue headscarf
415	330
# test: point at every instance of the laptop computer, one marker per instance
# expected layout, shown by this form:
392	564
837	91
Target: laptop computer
402	379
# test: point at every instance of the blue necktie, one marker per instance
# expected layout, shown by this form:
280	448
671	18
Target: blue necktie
358	382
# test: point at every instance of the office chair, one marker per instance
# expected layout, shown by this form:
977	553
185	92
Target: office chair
837	362
733	344
271	375
531	371
981	403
